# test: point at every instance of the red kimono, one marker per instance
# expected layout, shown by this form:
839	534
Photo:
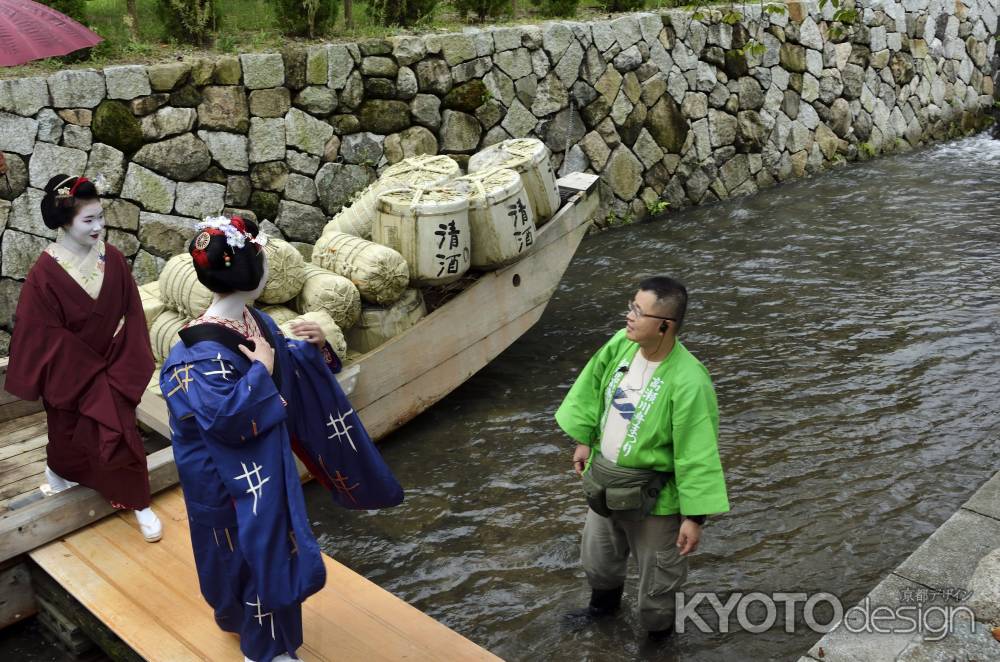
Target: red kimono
65	349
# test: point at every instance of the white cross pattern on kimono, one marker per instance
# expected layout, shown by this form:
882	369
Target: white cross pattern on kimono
261	614
341	429
250	475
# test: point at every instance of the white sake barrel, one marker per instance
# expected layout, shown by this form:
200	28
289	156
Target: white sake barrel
530	158
180	288
333	334
420	171
379	272
500	217
152	305
286	272
430	229
331	293
379	324
163	333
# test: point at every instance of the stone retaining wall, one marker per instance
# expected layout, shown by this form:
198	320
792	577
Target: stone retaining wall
659	104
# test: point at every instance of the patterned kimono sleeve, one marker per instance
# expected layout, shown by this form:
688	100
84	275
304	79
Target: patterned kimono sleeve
579	415
701	484
229	407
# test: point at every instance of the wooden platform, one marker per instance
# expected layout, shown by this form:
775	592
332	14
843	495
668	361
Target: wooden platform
22	457
148	594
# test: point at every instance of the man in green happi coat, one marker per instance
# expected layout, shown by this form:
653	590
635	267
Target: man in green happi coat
644	416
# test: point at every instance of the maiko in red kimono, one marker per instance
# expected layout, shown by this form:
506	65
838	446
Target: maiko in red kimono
89	361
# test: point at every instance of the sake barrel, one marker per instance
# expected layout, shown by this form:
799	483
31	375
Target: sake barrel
429	228
280	314
500	217
180	288
334	335
530	158
331	293
424	170
286	272
163	333
379	273
379	324
152	305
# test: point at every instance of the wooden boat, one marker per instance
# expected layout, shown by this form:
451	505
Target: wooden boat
388	386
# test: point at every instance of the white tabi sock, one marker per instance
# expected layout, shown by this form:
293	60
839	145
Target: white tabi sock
149	524
56	482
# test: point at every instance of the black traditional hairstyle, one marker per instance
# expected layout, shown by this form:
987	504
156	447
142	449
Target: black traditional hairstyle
221	263
64	195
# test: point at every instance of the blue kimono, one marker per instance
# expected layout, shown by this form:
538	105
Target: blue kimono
234	430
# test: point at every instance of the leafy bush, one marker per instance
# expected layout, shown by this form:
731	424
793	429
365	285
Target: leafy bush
306	17
624	5
557	7
400	12
483	8
75	9
192	21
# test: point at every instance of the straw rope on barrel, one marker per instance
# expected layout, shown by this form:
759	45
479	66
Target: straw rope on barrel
280	314
379	324
419	171
530	158
379	273
152	305
500	216
180	288
163	333
333	334
286	272
331	293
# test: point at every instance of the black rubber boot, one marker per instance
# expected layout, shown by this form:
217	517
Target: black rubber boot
603	602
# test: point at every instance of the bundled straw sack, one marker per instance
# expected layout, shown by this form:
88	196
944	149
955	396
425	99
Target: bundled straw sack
419	171
378	324
287	272
180	289
152	305
163	333
379	273
333	294
280	314
334	335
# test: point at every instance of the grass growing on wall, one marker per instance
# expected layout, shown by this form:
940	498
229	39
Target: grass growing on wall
251	25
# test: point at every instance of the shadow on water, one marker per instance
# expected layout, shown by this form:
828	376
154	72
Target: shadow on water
850	325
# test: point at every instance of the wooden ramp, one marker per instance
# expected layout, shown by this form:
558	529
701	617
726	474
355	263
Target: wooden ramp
148	595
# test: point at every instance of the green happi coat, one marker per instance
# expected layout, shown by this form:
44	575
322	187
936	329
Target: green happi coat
675	427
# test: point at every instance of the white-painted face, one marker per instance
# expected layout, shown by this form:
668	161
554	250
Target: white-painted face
87	226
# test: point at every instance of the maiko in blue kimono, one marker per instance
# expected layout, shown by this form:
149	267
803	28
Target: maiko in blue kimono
235	427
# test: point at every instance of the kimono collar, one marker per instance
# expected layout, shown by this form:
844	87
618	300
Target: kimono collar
231	340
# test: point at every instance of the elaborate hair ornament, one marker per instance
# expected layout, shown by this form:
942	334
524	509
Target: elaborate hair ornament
233	229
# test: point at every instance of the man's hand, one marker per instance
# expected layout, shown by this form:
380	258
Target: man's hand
262	352
580	456
689	537
310	331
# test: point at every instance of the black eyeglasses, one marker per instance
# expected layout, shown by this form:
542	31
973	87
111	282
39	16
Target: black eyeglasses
635	310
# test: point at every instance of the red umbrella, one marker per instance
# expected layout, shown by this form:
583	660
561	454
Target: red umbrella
30	31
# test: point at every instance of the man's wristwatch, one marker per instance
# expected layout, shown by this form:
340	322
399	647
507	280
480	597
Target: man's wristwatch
697	519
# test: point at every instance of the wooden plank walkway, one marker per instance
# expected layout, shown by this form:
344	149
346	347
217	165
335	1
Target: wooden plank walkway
148	595
22	456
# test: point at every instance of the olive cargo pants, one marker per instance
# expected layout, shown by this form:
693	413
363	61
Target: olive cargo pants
662	570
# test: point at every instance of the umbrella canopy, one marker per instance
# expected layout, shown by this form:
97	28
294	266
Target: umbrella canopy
30	31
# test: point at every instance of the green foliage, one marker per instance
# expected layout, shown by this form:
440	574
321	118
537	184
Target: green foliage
483	8
866	149
306	17
556	7
624	5
75	9
657	207
190	21
400	12
843	16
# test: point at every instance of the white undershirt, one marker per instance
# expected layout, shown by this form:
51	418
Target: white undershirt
623	404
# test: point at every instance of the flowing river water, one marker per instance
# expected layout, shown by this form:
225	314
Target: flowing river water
850	323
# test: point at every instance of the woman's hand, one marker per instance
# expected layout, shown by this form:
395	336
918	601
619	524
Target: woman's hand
310	331
262	352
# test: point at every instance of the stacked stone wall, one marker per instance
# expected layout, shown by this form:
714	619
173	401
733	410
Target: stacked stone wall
661	105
